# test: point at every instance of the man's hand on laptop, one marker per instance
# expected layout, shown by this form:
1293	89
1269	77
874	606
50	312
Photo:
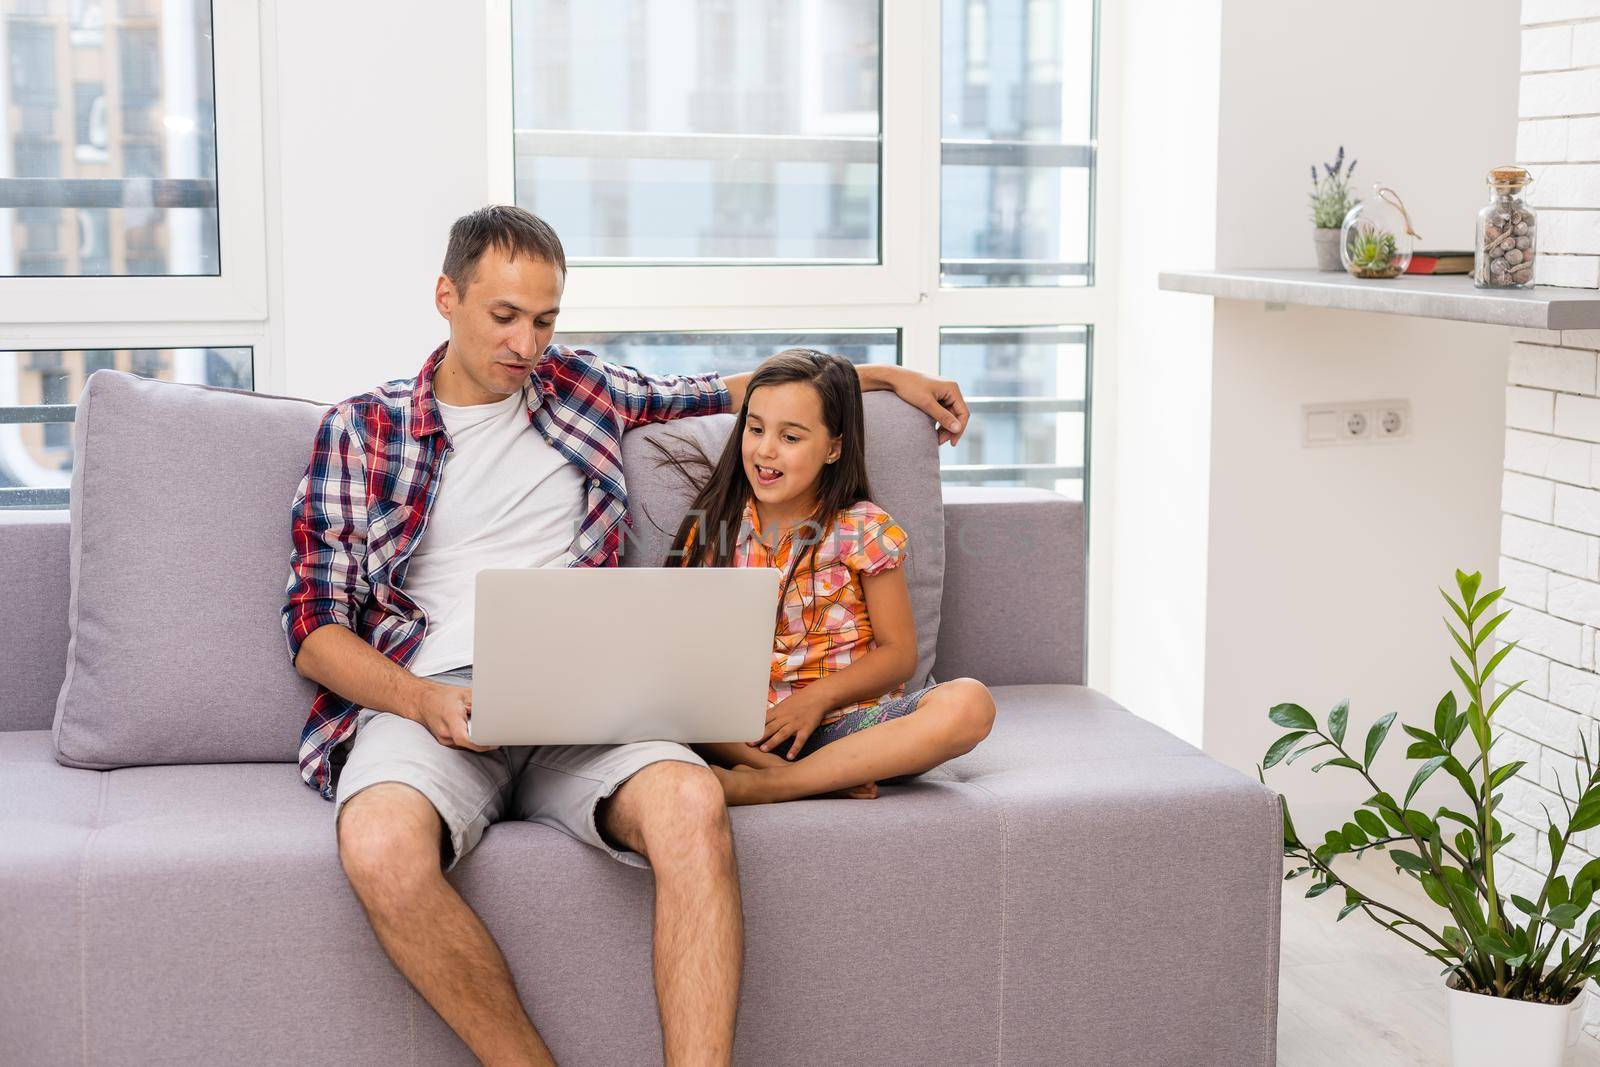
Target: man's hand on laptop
444	710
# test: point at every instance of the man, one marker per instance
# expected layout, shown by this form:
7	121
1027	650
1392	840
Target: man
492	456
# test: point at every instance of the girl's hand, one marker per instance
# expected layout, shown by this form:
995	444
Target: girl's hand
794	716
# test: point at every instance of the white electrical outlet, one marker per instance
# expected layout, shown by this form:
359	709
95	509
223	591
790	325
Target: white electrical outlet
1355	422
1394	419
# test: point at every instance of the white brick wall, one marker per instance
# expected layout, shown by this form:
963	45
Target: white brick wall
1558	138
1525	584
1550	489
1548	48
1531	498
1582	143
1575	232
1534	671
1530	409
1550	366
1574	689
1577	416
1550	457
1557	549
1571	272
1576	509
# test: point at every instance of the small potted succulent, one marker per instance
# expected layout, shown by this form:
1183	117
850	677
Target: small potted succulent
1515	965
1330	202
1376	238
1372	251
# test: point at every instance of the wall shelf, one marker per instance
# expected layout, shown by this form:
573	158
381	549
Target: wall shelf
1451	296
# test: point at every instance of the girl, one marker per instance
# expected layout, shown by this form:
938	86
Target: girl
790	491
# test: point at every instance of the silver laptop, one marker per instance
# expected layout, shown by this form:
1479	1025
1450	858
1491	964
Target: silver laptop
604	655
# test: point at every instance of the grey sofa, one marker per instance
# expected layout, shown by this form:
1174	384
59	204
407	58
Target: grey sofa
1081	889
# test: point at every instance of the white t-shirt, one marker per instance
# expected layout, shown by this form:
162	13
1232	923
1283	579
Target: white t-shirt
505	498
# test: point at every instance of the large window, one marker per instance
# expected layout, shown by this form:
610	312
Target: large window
109	162
701	131
896	180
1028	388
132	237
38	393
1017	149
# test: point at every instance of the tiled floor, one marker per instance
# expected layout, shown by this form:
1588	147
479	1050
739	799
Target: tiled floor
1355	994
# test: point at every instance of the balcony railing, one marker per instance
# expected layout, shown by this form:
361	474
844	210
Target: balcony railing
107	192
31	496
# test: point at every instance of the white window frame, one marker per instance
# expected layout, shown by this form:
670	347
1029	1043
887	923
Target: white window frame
33	310
903	292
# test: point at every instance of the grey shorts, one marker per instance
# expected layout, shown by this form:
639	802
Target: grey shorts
558	785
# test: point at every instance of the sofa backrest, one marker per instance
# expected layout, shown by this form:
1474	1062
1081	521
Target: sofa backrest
1013	610
33	631
179	549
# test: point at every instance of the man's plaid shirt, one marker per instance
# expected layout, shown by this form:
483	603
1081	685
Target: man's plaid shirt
373	476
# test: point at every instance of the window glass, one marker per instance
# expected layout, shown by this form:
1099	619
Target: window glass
1028	391
38	391
108	162
700	131
1018	149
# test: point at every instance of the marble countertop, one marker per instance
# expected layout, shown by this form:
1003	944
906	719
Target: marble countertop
1451	296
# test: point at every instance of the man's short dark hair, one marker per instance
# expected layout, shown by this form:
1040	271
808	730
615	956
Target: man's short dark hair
512	230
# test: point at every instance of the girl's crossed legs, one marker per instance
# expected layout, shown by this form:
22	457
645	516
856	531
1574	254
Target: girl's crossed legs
870	745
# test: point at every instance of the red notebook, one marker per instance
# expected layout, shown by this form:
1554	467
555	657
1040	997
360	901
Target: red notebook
1440	263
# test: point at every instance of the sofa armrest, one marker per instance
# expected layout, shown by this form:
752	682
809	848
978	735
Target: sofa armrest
33	636
1013	606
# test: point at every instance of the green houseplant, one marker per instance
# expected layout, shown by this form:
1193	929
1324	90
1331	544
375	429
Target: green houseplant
1330	201
1538	952
1372	251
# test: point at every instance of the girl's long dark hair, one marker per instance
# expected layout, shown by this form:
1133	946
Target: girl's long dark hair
712	525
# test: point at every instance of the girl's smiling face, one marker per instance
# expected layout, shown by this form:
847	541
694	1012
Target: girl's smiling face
785	446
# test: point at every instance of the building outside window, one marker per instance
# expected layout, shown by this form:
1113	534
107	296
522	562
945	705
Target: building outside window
101	95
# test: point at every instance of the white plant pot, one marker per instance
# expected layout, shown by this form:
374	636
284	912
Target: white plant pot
1326	242
1493	1031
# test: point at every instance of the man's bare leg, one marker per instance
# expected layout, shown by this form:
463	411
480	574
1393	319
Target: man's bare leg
947	722
672	813
389	838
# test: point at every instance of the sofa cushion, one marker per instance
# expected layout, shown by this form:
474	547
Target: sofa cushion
902	466
178	559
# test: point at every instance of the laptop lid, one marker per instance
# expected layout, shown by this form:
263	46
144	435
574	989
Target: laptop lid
606	655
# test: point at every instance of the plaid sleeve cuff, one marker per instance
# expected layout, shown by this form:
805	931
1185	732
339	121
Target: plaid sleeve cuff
722	400
300	621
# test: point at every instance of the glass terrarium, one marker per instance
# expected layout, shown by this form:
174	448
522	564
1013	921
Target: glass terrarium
1376	238
1507	232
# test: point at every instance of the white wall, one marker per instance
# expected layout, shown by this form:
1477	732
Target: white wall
1167	78
1324	564
377	140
